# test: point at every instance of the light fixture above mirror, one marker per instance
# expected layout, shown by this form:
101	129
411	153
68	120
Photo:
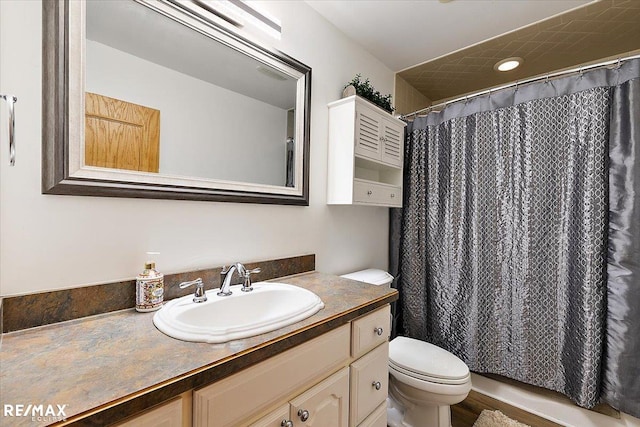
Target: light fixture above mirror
227	119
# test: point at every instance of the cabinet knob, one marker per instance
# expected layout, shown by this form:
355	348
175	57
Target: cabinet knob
286	423
303	414
378	331
376	385
369	193
393	195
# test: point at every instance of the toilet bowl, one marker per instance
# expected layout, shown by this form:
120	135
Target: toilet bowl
424	379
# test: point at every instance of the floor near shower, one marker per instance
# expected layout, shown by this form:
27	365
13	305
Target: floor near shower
489	418
465	413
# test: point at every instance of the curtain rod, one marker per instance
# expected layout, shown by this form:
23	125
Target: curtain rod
518	83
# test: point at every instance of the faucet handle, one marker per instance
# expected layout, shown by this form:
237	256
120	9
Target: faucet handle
197	282
246	286
199	295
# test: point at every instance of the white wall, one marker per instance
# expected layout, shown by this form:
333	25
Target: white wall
204	129
51	242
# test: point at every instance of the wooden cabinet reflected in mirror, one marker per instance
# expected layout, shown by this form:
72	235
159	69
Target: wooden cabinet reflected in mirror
120	134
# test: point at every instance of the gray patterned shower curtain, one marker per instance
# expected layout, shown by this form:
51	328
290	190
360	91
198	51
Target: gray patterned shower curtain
518	247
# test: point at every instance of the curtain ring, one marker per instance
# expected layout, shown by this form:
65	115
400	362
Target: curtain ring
619	64
546	78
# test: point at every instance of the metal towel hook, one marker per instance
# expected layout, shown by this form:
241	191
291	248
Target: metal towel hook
11	100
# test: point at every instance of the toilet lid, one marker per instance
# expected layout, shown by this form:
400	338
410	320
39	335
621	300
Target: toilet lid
372	276
426	361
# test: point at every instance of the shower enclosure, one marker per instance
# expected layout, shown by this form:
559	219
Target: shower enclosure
518	247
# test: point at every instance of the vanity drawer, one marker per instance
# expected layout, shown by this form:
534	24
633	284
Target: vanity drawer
175	413
376	194
377	418
369	380
365	332
240	396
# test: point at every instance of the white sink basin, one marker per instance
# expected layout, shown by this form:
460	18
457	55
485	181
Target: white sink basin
268	307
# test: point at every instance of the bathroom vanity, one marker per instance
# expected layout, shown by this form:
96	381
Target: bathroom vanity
338	379
117	368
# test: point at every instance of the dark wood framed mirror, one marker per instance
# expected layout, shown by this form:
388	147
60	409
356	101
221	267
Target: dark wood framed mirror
161	99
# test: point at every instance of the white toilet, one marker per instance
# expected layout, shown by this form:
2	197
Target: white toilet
424	379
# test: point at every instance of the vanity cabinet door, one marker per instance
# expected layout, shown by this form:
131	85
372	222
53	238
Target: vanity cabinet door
369	383
277	418
245	394
324	405
377	418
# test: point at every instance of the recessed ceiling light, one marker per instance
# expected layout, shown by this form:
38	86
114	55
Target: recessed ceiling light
508	64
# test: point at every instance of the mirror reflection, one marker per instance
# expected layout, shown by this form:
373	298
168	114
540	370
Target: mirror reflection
164	98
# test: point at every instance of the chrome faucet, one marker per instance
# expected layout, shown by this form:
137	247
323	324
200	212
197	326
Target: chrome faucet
225	278
227	274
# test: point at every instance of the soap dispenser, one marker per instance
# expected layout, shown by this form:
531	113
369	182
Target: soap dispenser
149	288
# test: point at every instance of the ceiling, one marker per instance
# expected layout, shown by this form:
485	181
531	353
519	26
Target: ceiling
404	33
446	49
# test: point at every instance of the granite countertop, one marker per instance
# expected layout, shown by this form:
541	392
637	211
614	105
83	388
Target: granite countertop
119	363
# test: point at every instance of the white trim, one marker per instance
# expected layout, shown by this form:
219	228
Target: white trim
559	410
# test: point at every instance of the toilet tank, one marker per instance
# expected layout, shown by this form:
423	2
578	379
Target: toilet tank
373	276
377	277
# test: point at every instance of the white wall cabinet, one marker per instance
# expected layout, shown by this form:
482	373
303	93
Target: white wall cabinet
366	147
378	136
339	379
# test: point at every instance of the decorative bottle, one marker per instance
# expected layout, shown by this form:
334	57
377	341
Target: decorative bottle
149	288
